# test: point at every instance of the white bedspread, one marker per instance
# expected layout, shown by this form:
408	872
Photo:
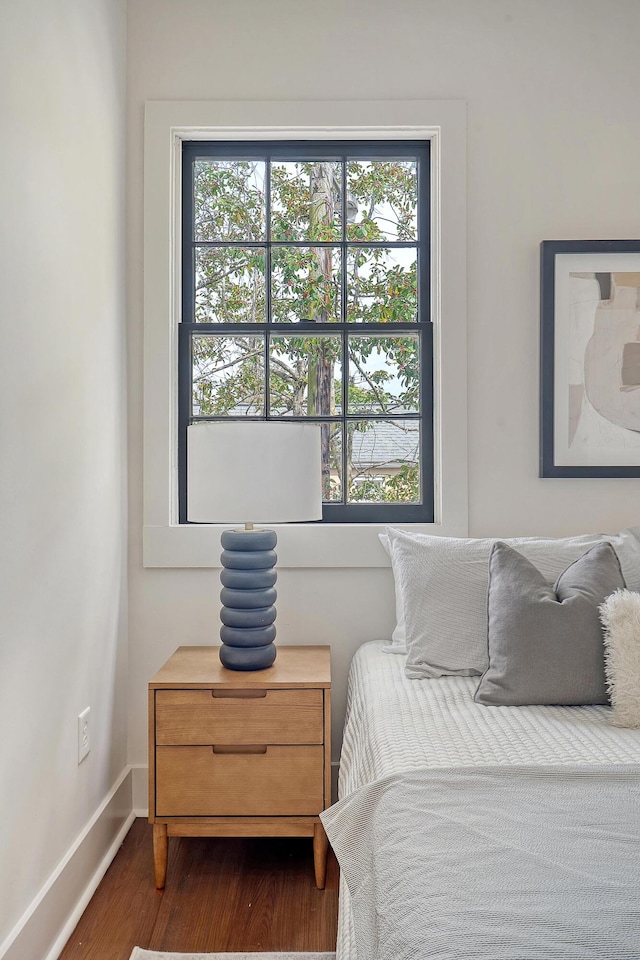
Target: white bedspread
395	726
483	864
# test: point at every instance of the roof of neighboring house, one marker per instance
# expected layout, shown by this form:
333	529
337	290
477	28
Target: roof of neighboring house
387	443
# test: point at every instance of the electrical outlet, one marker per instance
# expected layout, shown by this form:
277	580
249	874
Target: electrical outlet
84	734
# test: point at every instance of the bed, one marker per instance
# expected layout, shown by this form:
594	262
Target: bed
467	832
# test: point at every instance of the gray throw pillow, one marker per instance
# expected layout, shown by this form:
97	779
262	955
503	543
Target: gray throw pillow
545	642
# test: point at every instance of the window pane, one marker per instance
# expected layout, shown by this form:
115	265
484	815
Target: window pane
384	461
305	284
228	376
384	374
230	285
382	285
305	200
229	200
382	200
305	376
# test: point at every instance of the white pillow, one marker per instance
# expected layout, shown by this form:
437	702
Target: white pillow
398	637
442	584
620	615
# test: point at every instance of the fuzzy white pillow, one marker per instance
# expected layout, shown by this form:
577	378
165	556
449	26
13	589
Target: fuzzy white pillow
620	615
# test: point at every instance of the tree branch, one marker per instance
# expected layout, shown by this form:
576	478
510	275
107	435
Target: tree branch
380	398
232	363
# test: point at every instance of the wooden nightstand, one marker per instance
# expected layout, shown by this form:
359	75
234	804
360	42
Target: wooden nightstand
240	754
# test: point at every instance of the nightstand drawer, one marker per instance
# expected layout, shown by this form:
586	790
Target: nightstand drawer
239	716
277	781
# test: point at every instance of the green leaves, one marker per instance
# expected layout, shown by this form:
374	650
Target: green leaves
229	200
387	196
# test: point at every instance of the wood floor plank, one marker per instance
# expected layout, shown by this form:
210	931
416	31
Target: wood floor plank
221	895
122	913
198	899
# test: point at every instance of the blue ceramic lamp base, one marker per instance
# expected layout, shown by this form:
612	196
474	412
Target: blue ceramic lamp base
248	598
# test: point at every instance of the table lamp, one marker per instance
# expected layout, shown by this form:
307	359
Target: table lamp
251	472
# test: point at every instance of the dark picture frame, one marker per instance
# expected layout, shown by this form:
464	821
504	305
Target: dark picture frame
590	358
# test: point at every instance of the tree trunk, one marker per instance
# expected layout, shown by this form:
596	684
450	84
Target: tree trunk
320	395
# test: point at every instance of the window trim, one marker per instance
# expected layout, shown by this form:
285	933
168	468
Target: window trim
166	543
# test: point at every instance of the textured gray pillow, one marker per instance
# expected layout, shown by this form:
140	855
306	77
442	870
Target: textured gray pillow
546	643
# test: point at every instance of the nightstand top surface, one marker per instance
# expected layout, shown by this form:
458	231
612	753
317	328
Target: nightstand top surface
197	667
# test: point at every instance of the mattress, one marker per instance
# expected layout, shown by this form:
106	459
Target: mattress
395	725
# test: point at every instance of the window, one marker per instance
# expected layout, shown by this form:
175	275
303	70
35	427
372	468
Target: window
306	296
169	125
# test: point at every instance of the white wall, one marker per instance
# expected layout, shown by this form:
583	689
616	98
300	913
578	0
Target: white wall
553	141
62	428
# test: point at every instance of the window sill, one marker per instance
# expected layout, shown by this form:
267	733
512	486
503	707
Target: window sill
299	545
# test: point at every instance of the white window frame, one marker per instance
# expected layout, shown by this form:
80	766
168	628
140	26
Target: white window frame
167	543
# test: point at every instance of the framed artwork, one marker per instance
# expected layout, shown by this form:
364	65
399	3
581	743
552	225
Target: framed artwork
590	358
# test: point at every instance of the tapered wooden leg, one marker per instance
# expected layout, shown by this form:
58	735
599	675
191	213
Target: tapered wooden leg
160	850
320	852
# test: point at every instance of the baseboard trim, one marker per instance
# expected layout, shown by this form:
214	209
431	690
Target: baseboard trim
140	789
42	931
335	767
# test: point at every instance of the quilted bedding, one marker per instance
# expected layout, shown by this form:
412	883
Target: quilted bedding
397	726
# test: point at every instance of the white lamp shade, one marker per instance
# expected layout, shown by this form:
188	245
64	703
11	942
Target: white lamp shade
253	472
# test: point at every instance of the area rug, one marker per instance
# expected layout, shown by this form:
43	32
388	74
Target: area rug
139	954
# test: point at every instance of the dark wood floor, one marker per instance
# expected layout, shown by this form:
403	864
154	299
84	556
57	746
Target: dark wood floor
221	895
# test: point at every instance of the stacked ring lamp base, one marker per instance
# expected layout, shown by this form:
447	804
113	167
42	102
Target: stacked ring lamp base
248	599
